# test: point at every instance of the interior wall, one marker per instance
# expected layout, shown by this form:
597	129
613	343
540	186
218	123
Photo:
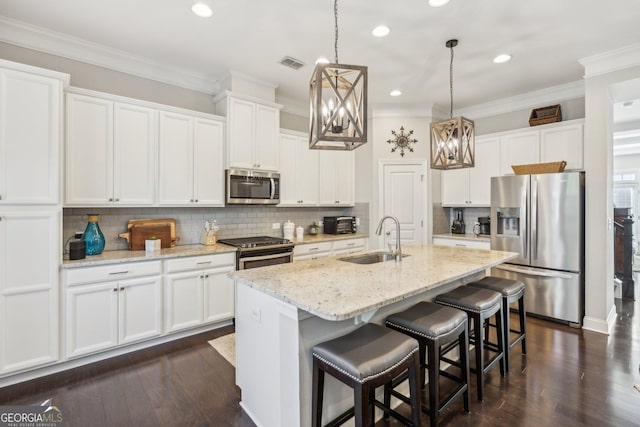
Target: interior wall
571	109
598	162
294	122
379	149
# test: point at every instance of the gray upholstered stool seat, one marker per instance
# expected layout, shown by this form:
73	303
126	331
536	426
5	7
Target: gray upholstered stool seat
511	291
479	304
434	326
364	359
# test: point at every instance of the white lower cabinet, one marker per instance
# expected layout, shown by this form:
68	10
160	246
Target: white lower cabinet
101	314
462	243
305	251
199	291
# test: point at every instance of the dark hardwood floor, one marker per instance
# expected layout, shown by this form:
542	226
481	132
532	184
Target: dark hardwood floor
569	377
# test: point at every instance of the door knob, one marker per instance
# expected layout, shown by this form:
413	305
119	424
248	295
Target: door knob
388	233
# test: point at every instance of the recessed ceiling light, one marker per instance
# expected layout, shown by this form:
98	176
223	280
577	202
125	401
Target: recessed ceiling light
503	57
322	60
437	3
380	31
202	10
395	92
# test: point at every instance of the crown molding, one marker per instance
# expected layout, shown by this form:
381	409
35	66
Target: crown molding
231	74
524	101
613	60
293	106
37	38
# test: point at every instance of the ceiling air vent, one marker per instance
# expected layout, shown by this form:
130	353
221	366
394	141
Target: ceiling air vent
290	62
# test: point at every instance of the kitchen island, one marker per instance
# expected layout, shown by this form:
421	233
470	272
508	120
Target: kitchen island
283	311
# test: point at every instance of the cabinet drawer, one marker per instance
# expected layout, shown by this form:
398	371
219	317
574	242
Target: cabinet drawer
339	245
200	262
312	248
103	273
461	243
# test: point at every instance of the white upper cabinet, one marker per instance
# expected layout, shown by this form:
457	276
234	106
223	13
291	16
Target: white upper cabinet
541	144
30	128
337	178
519	148
254	130
111	153
563	143
472	186
298	171
191	166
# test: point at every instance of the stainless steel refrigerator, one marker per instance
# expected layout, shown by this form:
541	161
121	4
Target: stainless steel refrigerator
542	218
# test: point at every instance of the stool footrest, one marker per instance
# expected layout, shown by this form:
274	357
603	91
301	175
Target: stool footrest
342	418
404	420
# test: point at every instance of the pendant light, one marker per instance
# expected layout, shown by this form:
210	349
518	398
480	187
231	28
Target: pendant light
452	140
338	103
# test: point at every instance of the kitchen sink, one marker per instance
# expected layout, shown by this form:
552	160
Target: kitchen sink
371	258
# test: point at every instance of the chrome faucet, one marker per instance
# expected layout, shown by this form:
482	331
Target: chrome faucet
397	252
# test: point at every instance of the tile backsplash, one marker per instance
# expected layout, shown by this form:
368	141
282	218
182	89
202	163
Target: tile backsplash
234	221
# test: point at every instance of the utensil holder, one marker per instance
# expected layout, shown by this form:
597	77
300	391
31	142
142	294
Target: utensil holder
208	239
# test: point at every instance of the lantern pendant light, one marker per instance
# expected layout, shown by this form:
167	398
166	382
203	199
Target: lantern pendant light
452	140
338	103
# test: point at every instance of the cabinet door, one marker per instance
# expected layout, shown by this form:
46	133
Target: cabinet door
563	143
29	138
487	164
135	155
307	173
29	259
345	177
176	159
267	137
91	318
520	148
140	309
336	178
289	192
455	187
242	133
89	151
219	296
184	300
208	170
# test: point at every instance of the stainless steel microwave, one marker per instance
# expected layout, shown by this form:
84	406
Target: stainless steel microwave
251	187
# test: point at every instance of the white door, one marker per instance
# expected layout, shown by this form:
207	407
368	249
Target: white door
242	133
184	296
403	197
140	309
208	149
219	295
176	159
267	137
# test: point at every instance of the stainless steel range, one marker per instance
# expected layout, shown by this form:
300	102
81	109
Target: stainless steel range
260	251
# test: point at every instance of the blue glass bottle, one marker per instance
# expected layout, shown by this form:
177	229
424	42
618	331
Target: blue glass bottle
93	237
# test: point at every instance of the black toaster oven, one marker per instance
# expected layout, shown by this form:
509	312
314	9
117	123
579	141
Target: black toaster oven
339	224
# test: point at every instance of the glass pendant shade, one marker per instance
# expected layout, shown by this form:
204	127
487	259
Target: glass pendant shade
338	107
452	143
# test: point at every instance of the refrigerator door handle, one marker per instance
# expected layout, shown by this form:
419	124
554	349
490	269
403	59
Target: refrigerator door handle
555	274
524	230
534	217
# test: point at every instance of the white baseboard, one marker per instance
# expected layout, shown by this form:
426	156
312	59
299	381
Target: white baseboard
599	325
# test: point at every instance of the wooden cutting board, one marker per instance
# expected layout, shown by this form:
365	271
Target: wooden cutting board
141	232
151	221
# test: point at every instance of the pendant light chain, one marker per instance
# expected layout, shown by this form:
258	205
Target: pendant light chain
335	15
451	84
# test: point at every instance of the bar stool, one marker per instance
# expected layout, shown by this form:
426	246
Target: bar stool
434	326
364	359
511	291
480	305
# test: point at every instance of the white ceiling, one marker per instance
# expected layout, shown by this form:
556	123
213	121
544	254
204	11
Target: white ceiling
545	37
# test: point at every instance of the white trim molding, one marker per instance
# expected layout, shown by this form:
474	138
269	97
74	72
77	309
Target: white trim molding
524	101
613	60
37	38
599	325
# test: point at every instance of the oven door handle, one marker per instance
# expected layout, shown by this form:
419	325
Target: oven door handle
263	257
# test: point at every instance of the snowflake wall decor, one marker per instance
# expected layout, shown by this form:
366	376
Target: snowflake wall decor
402	141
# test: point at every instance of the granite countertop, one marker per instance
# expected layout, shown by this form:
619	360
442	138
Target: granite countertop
125	255
310	239
339	290
115	257
466	236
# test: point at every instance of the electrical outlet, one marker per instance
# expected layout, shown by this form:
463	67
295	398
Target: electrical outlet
275	226
256	314
357	222
321	223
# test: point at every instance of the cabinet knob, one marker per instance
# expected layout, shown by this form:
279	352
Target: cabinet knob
111	199
0	196
115	289
337	201
122	288
117	199
196	200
